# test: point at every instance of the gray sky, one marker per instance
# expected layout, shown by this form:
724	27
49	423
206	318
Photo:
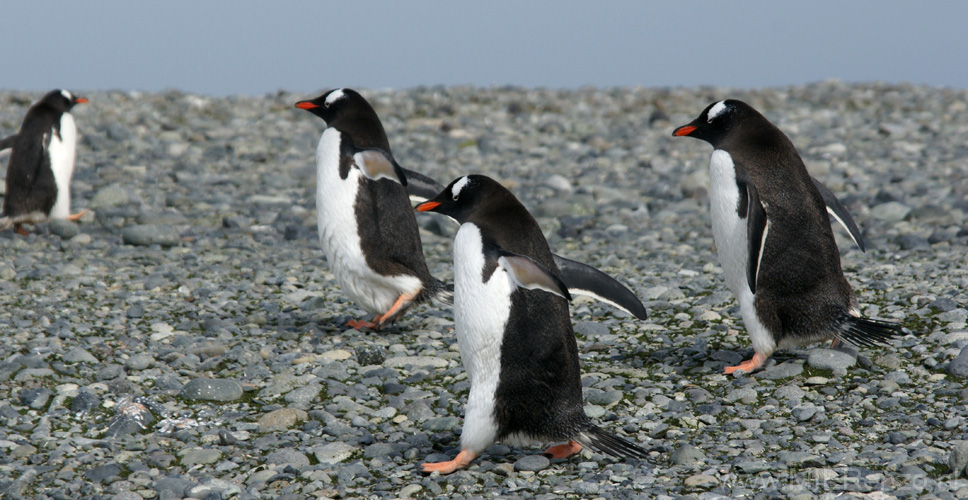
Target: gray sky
247	47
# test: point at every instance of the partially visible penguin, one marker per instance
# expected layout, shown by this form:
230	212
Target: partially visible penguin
514	331
772	231
365	221
41	163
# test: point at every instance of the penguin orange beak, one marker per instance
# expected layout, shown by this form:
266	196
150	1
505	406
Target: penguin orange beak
306	105
80	100
427	206
684	130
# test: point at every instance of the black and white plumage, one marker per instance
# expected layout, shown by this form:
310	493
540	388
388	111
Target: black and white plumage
580	278
771	227
514	330
41	163
365	221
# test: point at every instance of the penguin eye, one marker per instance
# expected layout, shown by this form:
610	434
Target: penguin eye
325	104
456	196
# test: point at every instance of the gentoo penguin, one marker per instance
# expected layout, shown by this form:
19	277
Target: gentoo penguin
581	279
772	232
41	163
366	224
514	331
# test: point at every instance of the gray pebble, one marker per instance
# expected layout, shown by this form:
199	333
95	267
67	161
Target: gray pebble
834	360
288	456
687	455
162	235
532	463
63	228
211	390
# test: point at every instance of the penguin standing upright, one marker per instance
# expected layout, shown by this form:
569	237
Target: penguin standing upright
514	331
41	163
366	224
772	232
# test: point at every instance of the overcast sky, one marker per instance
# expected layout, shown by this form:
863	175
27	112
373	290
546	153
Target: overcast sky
248	47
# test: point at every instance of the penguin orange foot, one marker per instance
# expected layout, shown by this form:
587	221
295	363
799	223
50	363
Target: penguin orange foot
19	229
77	216
463	459
562	450
749	365
402	303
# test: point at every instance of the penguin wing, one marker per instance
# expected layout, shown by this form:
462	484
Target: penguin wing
839	212
526	273
582	279
7	142
420	187
757	228
377	164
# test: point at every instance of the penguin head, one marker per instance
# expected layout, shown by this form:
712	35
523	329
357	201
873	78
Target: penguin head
61	100
717	121
459	199
338	106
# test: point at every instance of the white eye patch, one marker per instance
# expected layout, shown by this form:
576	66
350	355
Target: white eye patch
67	95
455	191
716	110
334	96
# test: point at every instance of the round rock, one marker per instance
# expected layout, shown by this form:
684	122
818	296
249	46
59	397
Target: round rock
532	463
148	235
211	390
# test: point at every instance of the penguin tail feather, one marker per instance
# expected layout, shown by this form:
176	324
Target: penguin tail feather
868	332
439	290
600	440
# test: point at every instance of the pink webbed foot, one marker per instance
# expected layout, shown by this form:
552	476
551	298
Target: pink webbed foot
562	450
748	366
463	459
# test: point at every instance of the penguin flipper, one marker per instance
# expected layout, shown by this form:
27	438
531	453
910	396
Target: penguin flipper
527	273
582	279
757	228
7	142
420	187
377	164
839	212
599	439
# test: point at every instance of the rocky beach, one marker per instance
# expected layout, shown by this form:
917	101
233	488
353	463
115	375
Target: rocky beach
186	339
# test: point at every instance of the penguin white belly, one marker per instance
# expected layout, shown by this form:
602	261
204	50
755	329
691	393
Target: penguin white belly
61	151
481	312
339	236
730	235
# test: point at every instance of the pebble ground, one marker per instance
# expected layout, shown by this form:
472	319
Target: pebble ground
185	338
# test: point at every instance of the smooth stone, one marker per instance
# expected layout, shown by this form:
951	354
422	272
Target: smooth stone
199	456
403	361
410	490
205	389
102	473
687	454
532	463
84	401
782	370
305	395
109	196
606	398
958	459
591	329
700	481
147	235
752	467
281	419
333	453
288	456
139	362
958	367
64	228
831	359
441	424
212	488
78	355
35	398
892	211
